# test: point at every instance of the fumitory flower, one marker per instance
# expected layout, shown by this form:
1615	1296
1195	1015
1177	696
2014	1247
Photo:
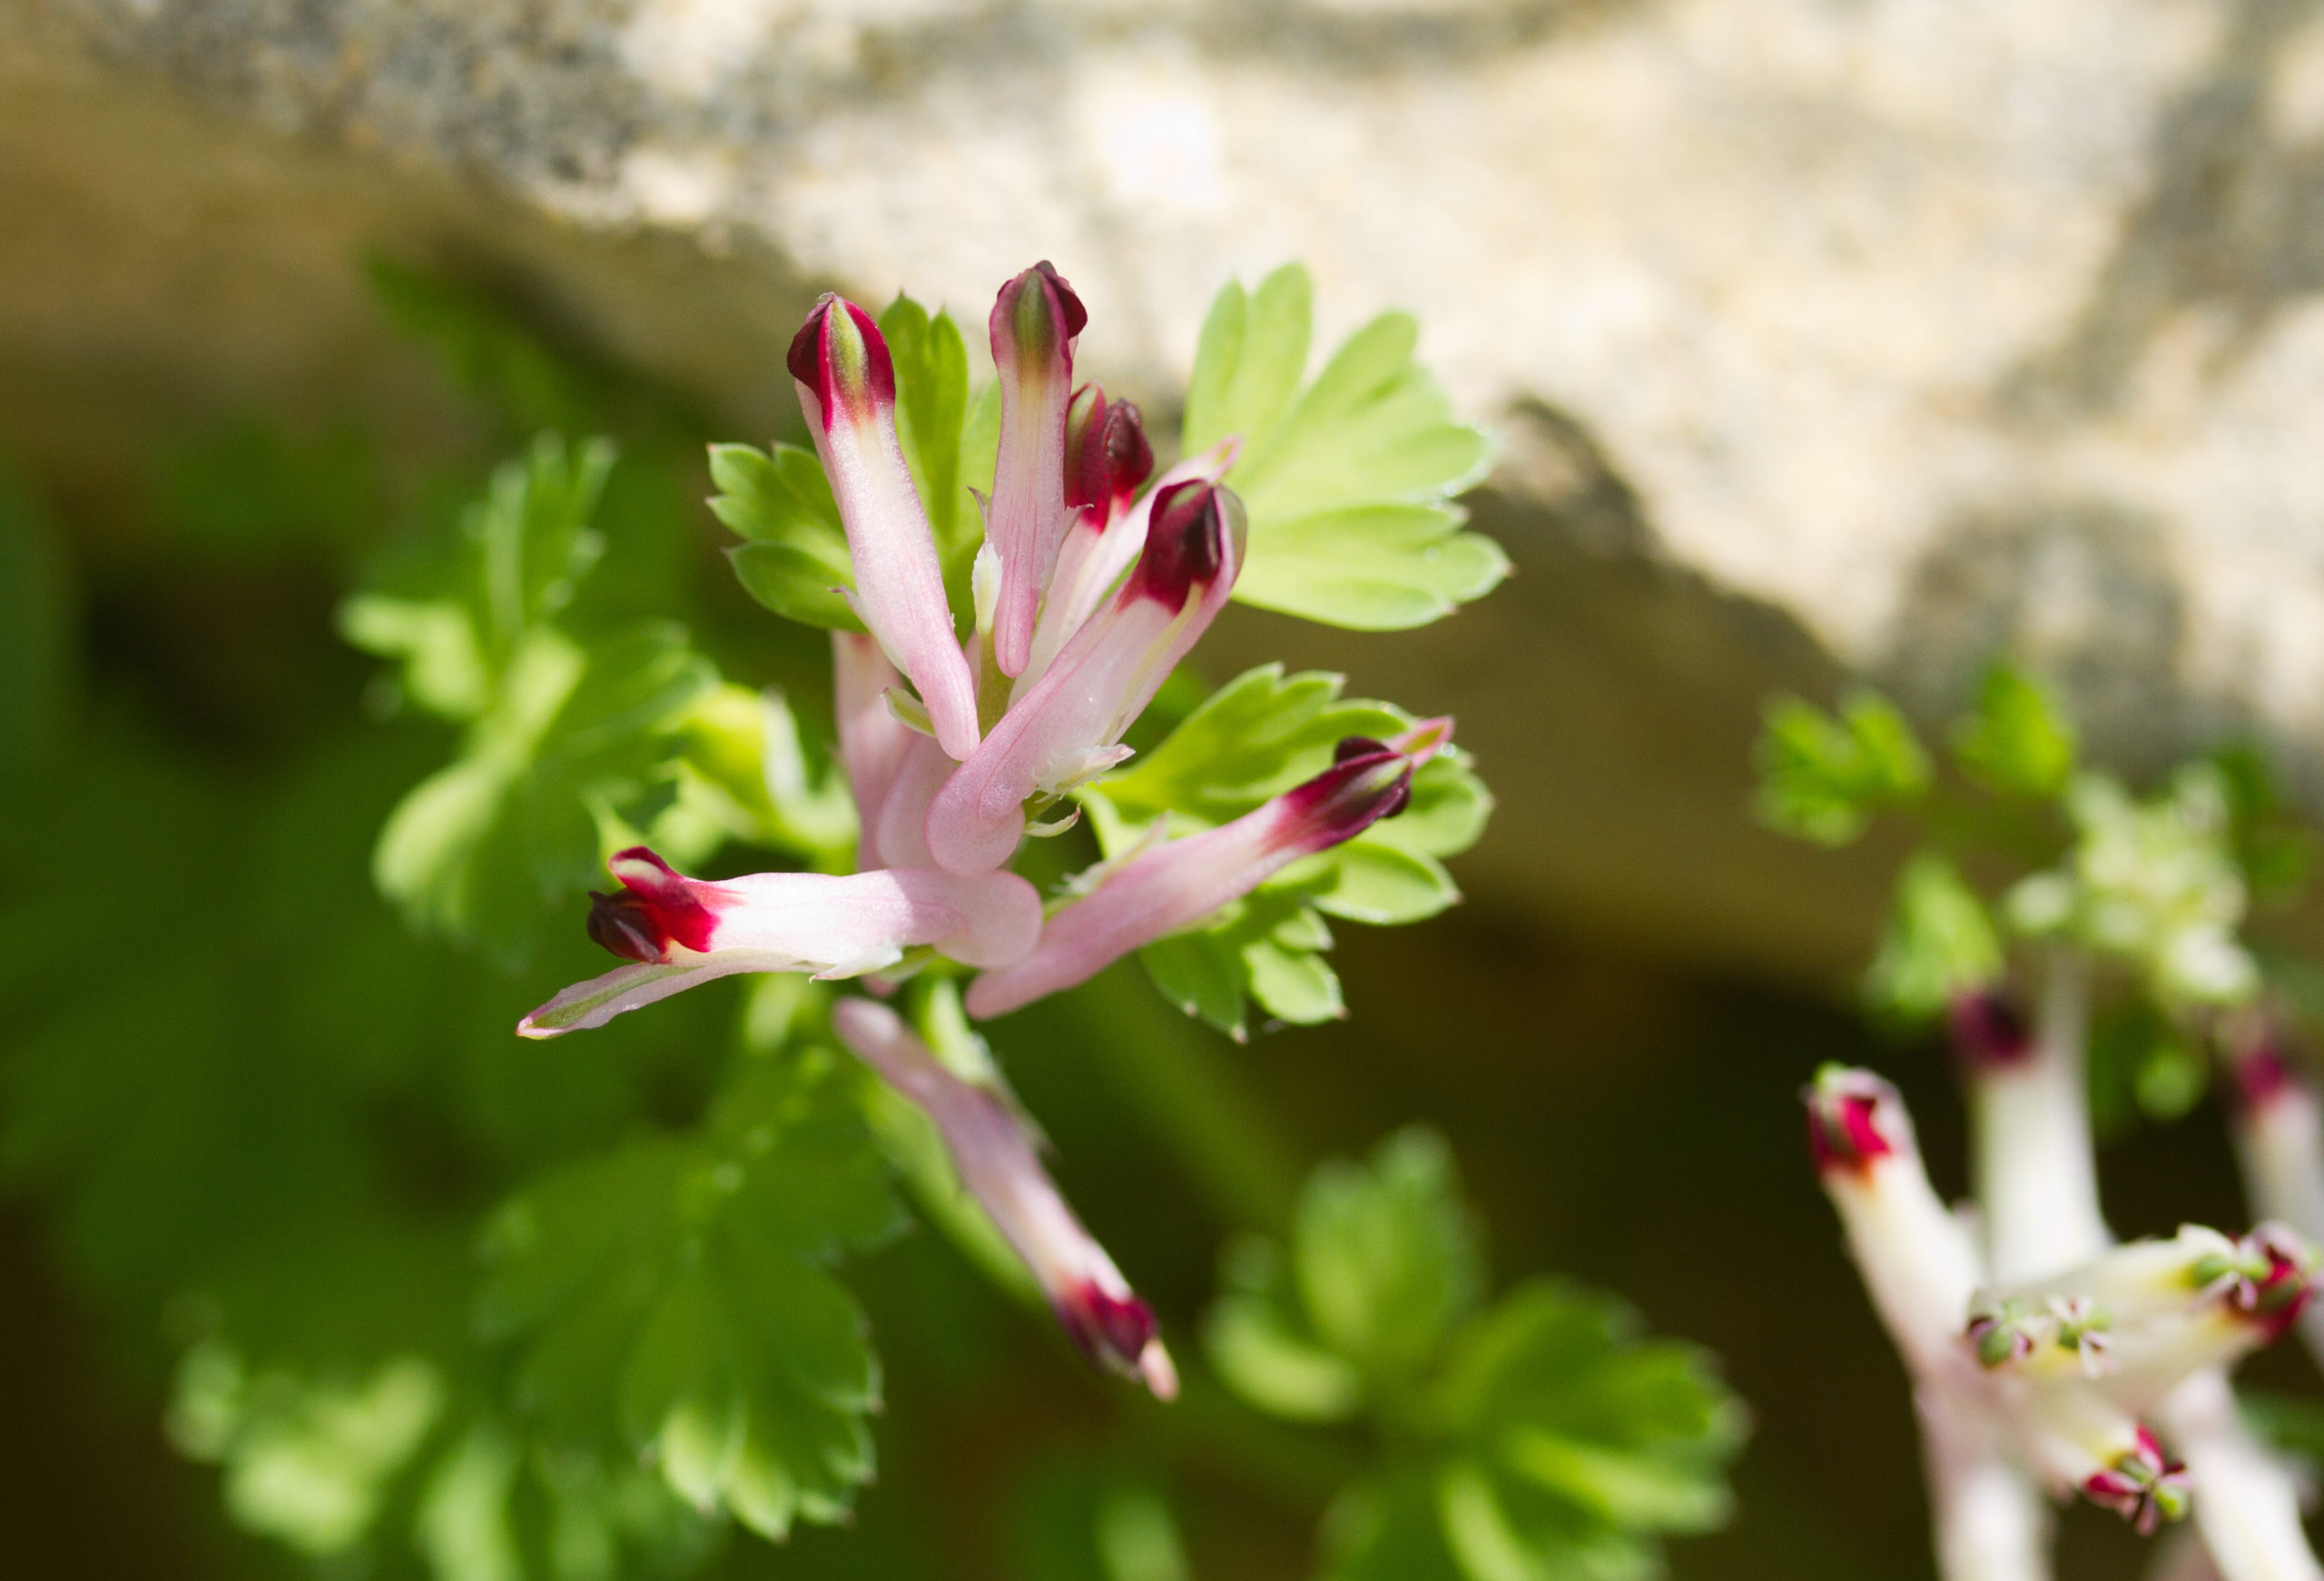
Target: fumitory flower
847	388
1168	885
679	932
2053	1375
1034	322
1067	727
1091	589
996	1162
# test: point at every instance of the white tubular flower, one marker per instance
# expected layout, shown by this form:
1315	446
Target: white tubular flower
2246	1509
680	932
2279	1141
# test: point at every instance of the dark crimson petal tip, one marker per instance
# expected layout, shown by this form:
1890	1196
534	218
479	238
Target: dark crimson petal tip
1357	746
2261	1069
1843	1132
654	909
840	354
1989	1031
1187	540
1068	302
1111	1330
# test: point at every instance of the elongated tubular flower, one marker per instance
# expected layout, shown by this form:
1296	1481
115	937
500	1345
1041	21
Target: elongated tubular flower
1173	885
2164	1309
1034	322
2031	1148
996	1162
679	932
1066	729
1922	1271
1097	550
1916	1260
847	389
2279	1142
2246	1507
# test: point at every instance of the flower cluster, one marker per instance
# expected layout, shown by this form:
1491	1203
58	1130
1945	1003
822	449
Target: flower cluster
2052	1378
1089	590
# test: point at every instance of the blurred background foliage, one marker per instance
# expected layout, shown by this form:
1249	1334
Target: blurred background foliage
252	1123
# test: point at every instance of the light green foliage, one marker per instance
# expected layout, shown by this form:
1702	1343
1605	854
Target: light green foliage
672	1295
795	561
1823	775
1539	1436
306	1462
1258	735
1349	481
2017	741
1938	942
2141	1063
778	499
2154	882
931	415
573	734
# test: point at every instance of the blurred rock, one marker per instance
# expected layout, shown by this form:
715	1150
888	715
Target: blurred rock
1900	330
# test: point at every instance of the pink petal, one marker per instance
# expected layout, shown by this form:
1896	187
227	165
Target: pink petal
847	388
1068	727
1171	886
1034	322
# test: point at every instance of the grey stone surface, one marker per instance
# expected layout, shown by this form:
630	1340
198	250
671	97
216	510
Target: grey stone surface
1901	330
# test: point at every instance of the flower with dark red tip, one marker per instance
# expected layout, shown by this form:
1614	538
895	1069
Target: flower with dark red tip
1988	1029
997	1165
1034	322
1171	886
847	388
678	932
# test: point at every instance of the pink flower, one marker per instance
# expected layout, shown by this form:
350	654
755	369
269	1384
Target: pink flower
847	388
1066	729
997	1165
680	932
1171	886
1034	322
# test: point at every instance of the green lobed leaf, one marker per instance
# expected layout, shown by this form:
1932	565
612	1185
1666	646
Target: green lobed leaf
1255	737
2017	741
795	559
673	1296
477	851
1349	481
1538	1437
1938	942
1823	775
931	364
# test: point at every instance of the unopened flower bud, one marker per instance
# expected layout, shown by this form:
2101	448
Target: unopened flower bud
1068	728
847	388
1035	323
